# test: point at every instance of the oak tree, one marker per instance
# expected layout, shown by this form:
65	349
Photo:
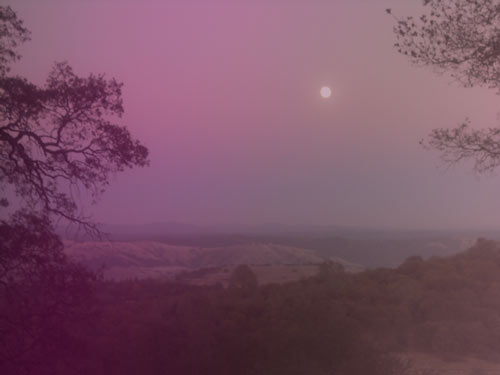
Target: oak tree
55	139
462	38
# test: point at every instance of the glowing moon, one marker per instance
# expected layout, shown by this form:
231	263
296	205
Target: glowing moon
325	92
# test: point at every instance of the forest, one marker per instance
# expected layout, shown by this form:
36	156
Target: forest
332	323
62	139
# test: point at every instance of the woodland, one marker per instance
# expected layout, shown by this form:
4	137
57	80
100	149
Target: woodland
57	317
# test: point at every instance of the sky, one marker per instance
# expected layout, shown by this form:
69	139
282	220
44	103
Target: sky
226	96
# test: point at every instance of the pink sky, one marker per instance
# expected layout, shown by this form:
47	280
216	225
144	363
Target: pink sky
226	97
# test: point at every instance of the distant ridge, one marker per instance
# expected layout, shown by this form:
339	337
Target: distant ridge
153	229
160	231
156	259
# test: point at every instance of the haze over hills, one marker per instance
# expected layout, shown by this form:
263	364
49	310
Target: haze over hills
160	230
164	250
156	259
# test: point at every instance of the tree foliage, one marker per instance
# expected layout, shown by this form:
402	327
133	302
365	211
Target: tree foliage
60	137
346	323
156	327
12	33
55	140
243	277
41	292
460	37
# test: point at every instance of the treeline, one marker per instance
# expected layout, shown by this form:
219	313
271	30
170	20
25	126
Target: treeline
333	323
150	327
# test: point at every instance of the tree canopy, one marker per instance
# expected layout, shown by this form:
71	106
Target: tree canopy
12	33
462	38
61	136
55	139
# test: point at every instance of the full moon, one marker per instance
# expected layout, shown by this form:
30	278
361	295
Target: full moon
325	92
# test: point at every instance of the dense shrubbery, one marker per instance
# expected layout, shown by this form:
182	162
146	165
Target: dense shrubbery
153	328
333	323
42	296
55	140
445	306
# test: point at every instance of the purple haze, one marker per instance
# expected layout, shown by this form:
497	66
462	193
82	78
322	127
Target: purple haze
226	96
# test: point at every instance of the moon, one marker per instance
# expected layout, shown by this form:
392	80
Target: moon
325	92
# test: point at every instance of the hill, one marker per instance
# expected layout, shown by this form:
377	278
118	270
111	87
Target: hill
145	259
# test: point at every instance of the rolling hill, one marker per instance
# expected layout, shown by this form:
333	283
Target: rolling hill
143	259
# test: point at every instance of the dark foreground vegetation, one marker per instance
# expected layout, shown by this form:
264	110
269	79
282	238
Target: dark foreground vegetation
333	323
59	318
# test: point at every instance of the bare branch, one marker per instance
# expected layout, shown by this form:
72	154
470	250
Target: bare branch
460	37
60	135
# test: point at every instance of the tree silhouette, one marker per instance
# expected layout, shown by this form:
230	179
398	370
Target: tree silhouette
243	277
41	292
12	33
460	37
59	138
54	139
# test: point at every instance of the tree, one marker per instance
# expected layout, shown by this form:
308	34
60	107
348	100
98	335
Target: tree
243	277
460	37
41	292
58	138
12	33
329	270
54	139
